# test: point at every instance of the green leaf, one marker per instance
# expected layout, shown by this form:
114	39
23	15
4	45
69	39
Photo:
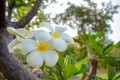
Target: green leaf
111	72
68	71
107	49
68	67
81	64
83	61
117	45
83	69
61	61
117	77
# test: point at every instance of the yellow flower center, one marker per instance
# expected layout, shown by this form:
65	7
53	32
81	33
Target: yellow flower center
55	35
41	46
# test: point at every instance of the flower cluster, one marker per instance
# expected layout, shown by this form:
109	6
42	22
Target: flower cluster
41	45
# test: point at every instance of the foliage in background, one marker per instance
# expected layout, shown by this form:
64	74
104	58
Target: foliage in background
90	17
75	60
22	7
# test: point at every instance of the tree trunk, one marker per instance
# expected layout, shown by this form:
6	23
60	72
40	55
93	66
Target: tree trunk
2	14
93	69
10	66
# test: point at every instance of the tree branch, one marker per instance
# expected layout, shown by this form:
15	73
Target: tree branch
10	66
93	69
2	13
9	16
26	19
10	9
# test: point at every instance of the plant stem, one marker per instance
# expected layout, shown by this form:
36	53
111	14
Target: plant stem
93	69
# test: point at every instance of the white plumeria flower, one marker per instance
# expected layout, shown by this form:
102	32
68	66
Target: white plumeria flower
40	50
14	44
59	36
21	34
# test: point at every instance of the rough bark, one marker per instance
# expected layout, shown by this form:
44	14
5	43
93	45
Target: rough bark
93	69
10	66
2	13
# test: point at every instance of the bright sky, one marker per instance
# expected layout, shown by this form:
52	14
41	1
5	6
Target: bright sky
62	5
115	36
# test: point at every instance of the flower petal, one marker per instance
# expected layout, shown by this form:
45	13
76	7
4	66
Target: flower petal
59	29
51	58
59	44
47	25
11	30
24	32
35	59
11	45
66	37
42	35
21	32
18	46
28	45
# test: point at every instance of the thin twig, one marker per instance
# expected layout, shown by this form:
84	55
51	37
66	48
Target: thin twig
26	19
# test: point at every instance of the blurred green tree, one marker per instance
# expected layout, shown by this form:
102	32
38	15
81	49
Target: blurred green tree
92	24
89	17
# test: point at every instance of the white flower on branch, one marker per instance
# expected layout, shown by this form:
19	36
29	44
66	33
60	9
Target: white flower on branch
21	34
40	50
59	36
40	45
